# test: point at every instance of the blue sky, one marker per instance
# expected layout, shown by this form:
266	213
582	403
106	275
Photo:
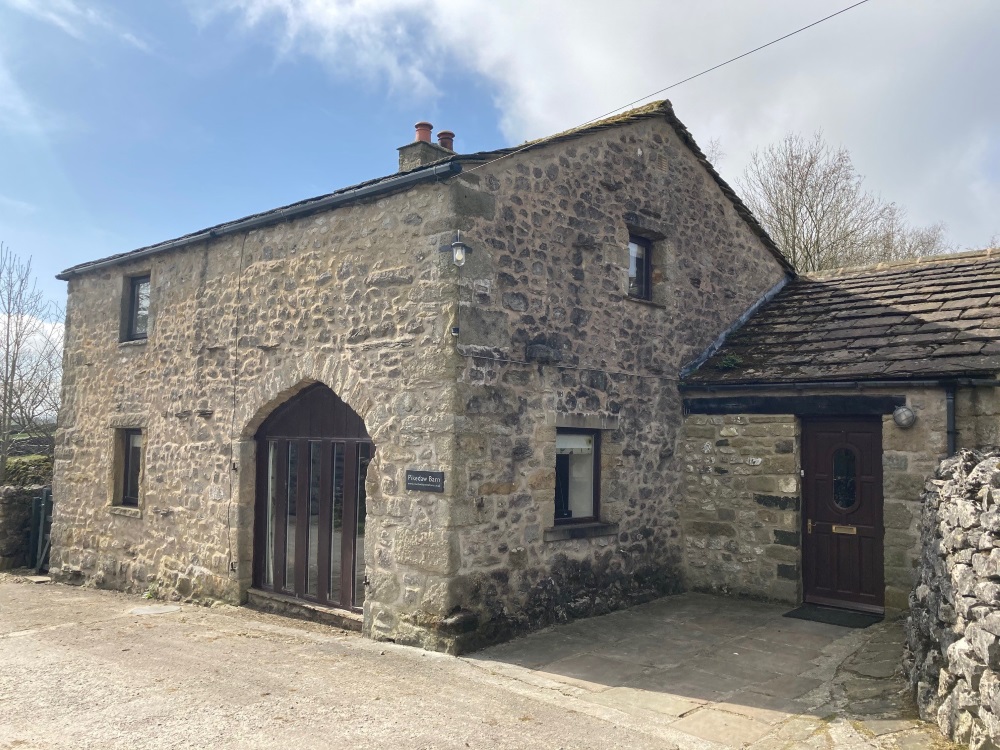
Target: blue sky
126	123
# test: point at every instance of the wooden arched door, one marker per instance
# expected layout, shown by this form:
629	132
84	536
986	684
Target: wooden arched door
312	461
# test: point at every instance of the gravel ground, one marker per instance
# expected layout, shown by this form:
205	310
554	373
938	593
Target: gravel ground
77	670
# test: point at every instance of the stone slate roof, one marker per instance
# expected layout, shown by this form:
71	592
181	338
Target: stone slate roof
278	214
935	317
662	109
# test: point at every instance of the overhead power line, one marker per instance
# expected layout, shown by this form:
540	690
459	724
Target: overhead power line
678	83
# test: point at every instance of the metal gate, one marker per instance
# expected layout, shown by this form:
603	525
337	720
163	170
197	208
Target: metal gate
39	540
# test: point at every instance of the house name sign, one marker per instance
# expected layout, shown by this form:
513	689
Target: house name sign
424	481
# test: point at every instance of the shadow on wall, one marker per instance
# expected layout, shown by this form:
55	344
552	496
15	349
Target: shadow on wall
565	590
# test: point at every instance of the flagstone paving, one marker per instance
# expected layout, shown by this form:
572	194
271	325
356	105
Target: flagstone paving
731	673
81	668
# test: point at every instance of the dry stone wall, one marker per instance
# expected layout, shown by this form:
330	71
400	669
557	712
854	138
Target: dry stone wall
953	632
741	511
910	457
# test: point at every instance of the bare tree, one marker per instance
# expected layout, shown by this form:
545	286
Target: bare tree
30	355
714	152
810	199
899	240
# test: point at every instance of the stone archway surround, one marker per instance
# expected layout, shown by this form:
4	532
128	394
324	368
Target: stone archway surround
258	402
406	587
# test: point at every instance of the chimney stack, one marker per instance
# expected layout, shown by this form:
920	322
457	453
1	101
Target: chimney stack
446	139
423	131
422	150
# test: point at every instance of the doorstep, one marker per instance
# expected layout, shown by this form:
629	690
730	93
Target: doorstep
289	606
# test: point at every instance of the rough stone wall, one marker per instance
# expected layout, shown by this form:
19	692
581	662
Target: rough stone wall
552	339
909	459
15	518
978	417
33	446
360	299
741	510
953	632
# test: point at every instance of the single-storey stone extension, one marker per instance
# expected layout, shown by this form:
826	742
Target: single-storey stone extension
504	389
800	483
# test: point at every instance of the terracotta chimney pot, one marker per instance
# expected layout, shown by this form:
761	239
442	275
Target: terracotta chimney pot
446	139
423	131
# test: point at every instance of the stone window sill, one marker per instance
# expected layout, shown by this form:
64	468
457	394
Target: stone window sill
122	510
646	302
580	531
133	342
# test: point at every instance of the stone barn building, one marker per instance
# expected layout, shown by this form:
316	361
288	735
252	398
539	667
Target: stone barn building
499	390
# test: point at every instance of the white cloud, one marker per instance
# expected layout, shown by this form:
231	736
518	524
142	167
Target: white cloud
23	117
76	19
14	204
17	113
371	37
906	85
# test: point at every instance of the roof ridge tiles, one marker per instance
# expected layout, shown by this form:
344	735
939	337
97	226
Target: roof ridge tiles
928	261
928	317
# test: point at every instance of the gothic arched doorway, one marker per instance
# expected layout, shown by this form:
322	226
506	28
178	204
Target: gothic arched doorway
312	460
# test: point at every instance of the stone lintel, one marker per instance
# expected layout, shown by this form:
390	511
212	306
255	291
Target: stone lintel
583	421
127	421
811	405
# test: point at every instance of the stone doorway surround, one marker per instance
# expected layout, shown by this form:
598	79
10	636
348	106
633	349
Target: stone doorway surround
741	507
260	404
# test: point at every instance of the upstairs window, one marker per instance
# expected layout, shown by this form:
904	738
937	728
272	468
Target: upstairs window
131	467
577	478
639	270
137	323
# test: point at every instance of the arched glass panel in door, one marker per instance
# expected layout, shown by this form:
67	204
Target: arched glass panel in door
845	478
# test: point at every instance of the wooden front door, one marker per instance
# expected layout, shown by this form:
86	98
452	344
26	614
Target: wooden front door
312	461
842	532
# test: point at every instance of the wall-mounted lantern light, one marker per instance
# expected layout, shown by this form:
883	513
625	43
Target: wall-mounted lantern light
904	417
459	250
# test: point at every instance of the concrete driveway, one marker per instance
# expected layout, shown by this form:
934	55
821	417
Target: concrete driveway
86	669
